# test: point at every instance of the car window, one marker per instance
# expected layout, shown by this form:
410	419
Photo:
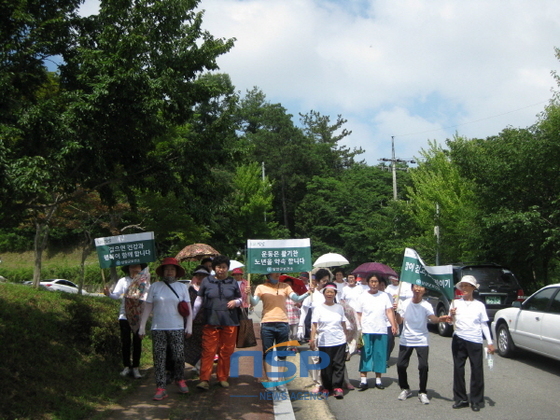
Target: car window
66	283
555	304
539	301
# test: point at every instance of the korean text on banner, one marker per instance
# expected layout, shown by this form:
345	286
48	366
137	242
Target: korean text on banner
278	255
137	248
438	278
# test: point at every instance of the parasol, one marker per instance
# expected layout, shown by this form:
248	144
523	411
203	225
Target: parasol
374	267
330	260
233	264
298	284
196	252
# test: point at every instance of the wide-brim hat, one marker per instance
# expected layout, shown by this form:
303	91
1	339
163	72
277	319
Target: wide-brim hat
467	279
201	271
170	261
125	267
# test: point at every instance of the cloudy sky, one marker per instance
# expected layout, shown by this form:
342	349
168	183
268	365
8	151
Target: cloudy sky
417	70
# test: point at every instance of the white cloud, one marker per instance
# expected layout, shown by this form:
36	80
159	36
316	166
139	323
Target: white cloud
396	68
415	69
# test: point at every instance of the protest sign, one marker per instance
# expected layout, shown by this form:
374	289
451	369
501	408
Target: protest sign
278	255
115	251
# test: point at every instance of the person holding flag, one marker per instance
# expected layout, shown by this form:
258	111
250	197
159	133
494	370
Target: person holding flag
413	314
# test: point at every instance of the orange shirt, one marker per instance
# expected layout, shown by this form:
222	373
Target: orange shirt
273	297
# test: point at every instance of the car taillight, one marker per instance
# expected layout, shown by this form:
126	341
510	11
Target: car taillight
521	295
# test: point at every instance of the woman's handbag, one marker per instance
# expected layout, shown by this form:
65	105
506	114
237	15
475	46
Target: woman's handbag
183	306
245	332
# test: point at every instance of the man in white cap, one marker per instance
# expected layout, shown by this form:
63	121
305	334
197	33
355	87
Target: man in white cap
470	324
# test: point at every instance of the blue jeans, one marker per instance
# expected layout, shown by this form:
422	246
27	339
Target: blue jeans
274	333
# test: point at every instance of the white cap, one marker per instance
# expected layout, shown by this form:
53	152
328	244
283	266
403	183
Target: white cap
467	279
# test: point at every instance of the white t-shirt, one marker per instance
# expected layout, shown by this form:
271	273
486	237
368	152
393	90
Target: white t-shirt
329	324
374	312
340	287
469	318
415	324
351	295
406	291
166	314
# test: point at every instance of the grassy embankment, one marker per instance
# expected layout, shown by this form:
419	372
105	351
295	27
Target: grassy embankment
59	352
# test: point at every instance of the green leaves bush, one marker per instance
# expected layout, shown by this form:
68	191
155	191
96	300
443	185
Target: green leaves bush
60	353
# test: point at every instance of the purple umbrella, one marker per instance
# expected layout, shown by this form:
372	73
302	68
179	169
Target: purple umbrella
374	267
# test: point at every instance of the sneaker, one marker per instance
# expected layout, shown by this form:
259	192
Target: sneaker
203	385
316	390
282	388
216	357
338	393
125	371
136	373
424	398
405	393
224	384
160	394
183	388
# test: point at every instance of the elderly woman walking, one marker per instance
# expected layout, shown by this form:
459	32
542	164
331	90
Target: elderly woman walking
168	325
470	325
219	297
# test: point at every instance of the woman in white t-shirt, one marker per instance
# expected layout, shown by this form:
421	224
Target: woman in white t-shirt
169	328
374	311
470	324
328	333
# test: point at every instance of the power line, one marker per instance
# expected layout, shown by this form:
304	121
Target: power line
472	122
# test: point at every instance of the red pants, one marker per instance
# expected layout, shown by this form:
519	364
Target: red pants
220	341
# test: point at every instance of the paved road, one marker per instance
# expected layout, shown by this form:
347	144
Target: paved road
522	388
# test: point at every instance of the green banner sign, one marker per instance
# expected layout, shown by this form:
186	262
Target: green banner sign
115	251
438	278
278	255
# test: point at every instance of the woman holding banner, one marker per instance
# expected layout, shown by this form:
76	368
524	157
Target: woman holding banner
129	337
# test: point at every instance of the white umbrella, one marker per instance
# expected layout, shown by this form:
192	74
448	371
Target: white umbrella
330	260
233	264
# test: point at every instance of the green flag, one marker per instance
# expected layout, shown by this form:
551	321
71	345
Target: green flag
438	278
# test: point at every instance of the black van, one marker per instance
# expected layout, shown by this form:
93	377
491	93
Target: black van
498	289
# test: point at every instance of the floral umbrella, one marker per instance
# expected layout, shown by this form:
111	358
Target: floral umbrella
196	252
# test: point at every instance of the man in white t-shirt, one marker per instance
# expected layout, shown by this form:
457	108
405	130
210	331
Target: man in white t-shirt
413	314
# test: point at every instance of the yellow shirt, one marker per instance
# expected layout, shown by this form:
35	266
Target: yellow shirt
273	297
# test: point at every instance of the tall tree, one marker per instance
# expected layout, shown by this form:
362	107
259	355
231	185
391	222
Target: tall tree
129	77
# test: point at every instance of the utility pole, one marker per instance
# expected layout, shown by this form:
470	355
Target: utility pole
263	179
394	168
436	233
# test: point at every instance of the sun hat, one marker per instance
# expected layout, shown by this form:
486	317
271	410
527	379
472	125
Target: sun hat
237	271
201	271
126	267
170	261
467	279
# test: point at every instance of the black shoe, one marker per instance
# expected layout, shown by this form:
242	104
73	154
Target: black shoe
379	386
363	387
460	404
475	407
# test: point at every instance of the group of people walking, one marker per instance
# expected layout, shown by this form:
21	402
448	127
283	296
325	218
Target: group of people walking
342	319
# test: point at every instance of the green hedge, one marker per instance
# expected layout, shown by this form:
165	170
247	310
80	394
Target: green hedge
60	353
